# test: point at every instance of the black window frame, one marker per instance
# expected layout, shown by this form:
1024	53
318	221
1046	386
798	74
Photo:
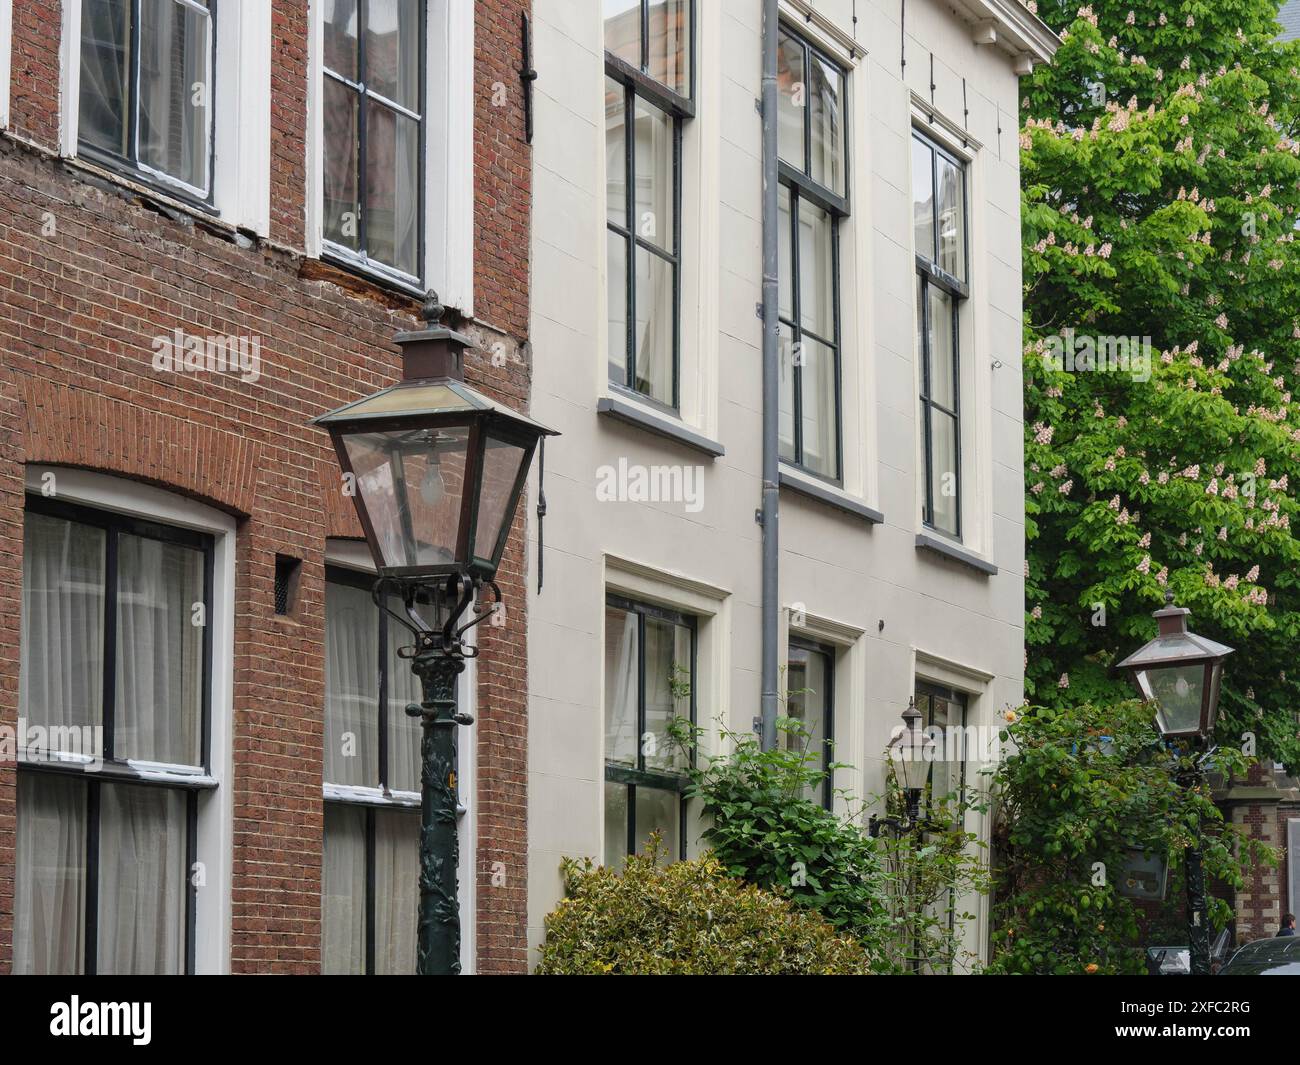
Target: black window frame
358	261
115	771
638	84
826	651
659	780
929	273
802	186
129	165
384	800
926	692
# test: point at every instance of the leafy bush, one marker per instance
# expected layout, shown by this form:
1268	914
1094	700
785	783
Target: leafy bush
1082	786
687	918
764	828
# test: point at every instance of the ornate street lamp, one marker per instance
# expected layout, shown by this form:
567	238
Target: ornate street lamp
436	470
1180	673
911	752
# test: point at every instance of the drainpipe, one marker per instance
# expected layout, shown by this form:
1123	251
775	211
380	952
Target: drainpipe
771	384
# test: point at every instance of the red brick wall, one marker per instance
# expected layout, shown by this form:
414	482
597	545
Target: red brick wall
78	307
1262	900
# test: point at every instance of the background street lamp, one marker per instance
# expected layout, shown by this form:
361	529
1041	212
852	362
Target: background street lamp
911	752
1180	673
435	469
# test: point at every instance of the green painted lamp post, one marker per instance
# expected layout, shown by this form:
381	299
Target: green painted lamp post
1179	673
436	469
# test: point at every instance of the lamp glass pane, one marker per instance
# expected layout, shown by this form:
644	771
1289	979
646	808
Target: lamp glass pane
411	483
496	503
1176	691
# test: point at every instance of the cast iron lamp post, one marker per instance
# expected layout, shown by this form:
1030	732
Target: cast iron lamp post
911	751
1180	673
435	469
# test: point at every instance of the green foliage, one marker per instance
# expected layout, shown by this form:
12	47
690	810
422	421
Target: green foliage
889	894
1160	186
687	918
1081	786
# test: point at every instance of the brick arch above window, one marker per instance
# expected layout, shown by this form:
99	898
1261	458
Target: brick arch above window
66	426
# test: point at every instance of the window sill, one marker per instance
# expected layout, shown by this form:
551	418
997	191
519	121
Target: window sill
130	771
829	495
662	425
373	272
159	196
954	552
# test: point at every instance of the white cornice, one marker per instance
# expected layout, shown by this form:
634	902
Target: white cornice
1019	32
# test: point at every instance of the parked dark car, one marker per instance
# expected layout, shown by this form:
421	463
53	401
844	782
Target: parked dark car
1266	957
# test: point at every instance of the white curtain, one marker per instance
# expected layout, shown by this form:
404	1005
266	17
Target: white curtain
351	686
403	731
175	49
620	686
397	890
158	710
343	890
142	880
50	875
60	678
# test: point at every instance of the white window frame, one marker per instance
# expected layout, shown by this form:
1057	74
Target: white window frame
215	842
975	365
448	110
710	605
6	54
699	253
354	555
240	97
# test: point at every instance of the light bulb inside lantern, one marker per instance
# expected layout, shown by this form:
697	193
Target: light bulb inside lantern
433	488
1182	687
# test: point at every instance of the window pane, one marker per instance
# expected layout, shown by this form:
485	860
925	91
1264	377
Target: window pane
923	197
343	890
792	97
403	729
339	18
655	326
50	876
351	686
787	393
623	30
668	680
653	159
820	451
105	62
175	90
939	336
61	679
501	462
621	686
669	44
397	890
816	270
952	219
946	773
341	204
159	687
143	833
615	824
808	679
827	118
658	811
616	267
392	188
616	152
393	51
785	271
943	471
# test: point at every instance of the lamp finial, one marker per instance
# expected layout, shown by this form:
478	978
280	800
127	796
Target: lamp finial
432	310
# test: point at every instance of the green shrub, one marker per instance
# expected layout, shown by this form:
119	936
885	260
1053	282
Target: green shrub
687	918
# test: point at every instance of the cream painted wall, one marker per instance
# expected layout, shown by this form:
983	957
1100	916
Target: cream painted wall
894	612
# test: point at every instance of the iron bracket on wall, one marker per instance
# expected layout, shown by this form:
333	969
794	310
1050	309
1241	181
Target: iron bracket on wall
528	75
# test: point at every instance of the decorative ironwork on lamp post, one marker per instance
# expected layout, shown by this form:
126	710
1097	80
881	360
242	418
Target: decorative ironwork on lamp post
911	750
435	469
1180	673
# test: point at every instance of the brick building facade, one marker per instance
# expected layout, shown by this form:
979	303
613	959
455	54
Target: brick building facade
99	260
1266	808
